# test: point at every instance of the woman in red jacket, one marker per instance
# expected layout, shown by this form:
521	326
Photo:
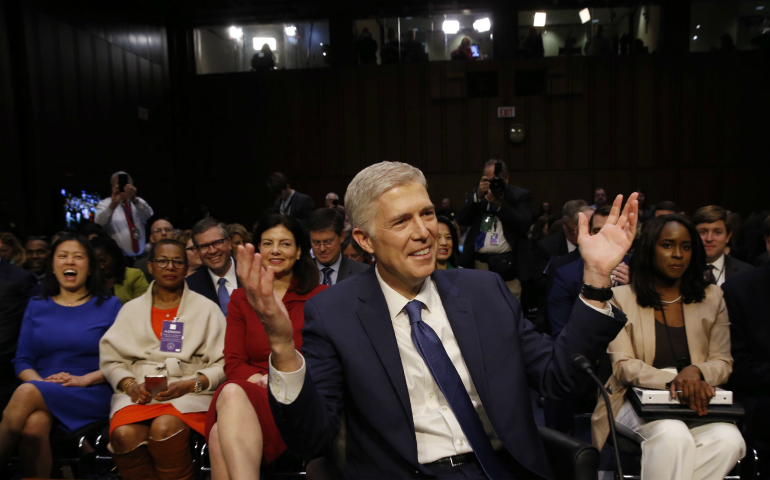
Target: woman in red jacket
239	427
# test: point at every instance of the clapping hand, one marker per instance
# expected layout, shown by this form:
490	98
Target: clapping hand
604	251
257	283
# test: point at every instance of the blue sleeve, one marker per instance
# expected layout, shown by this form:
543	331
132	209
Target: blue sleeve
25	356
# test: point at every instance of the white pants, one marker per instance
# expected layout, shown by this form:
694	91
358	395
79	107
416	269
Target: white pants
675	450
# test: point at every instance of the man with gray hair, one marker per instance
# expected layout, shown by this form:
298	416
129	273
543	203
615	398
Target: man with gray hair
330	198
430	368
124	215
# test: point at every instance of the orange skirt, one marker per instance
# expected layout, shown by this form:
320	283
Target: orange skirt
140	413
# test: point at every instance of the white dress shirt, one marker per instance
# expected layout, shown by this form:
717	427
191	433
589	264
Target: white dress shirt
719	269
335	270
570	246
437	430
231	280
116	225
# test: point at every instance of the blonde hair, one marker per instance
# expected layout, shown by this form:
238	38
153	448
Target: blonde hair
370	184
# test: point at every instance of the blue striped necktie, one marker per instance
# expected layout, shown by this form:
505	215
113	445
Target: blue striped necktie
224	296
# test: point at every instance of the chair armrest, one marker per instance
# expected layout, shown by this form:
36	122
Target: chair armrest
569	457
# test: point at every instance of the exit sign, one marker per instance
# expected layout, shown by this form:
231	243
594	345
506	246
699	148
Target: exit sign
506	112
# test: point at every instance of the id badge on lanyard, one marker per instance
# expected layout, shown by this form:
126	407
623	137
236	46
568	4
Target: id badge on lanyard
171	336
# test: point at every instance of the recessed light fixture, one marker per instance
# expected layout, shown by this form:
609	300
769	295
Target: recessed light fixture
697	26
291	31
450	26
236	33
695	37
585	15
482	25
539	19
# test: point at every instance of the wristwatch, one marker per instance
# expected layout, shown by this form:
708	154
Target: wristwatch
590	292
198	386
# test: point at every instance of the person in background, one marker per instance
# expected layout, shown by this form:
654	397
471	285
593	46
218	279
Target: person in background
159	229
240	429
446	240
263	60
193	258
289	201
353	251
37	250
391	50
446	209
646	211
677	338
326	237
330	198
58	357
149	429
217	280
665	208
124	215
11	250
545	210
463	52
366	47
539	230
238	234
88	230
600	198
715	232
125	283
533	44
414	51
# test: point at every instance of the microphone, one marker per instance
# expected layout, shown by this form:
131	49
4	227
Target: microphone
581	364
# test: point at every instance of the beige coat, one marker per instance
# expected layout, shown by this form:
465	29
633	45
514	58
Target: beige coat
633	350
131	349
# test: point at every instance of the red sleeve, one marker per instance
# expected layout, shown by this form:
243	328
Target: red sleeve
237	365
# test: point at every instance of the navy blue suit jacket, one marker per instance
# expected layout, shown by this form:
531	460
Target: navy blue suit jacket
200	282
354	368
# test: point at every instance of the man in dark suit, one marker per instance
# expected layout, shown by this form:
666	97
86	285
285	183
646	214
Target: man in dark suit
25	279
429	367
714	230
498	221
289	201
326	236
13	303
216	280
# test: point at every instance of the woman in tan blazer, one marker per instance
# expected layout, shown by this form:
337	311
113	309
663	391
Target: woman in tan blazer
677	338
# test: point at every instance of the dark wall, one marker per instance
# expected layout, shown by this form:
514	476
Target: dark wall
689	129
85	74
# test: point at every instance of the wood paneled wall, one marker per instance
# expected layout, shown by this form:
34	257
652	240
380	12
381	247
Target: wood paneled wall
687	128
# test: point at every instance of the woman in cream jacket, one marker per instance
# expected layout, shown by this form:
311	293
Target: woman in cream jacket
149	432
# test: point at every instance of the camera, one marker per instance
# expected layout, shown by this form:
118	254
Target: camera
497	184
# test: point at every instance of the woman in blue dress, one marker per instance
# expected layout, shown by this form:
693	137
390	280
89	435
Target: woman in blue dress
58	357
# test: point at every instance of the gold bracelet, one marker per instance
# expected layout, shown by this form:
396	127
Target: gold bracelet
128	385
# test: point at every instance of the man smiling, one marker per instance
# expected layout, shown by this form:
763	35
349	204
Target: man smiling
711	223
430	368
218	280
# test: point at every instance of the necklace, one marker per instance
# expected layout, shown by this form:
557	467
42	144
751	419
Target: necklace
672	301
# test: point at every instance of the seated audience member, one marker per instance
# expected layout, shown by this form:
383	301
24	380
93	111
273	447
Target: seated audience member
37	250
563	241
289	201
193	259
326	236
748	305
238	234
11	250
216	279
25	279
240	428
330	198
446	242
58	357
715	232
125	283
677	338
446	210
124	215
159	229
463	51
150	430
646	211
600	198
12	306
666	208
539	230
353	251
498	225
88	230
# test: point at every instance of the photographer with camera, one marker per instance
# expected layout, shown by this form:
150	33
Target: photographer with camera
498	215
124	215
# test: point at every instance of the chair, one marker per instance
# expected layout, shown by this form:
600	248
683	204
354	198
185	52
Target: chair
570	458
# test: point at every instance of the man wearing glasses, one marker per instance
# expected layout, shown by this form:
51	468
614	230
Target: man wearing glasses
160	229
326	237
218	280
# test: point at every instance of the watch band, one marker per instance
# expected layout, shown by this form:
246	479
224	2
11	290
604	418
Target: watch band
198	386
590	292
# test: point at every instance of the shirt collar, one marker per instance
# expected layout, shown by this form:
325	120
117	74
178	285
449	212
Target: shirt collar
334	266
230	276
288	199
719	263
428	295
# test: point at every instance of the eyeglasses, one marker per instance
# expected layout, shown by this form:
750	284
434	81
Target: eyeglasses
191	248
163	230
325	243
163	262
216	244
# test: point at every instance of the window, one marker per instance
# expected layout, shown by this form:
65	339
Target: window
728	26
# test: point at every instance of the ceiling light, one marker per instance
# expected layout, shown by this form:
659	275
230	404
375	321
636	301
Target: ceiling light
697	26
450	26
695	37
258	42
540	19
585	15
236	33
482	25
291	31
761	7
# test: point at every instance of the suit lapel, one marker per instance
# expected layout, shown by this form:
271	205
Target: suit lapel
375	318
693	316
460	315
343	273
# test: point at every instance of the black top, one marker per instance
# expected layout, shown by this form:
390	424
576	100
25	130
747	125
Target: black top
664	357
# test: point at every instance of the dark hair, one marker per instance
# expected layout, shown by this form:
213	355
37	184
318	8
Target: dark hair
667	205
168	241
111	248
350	241
455	243
326	219
305	268
95	284
644	273
599	188
537	230
91	228
277	182
603	211
711	214
503	167
205	225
